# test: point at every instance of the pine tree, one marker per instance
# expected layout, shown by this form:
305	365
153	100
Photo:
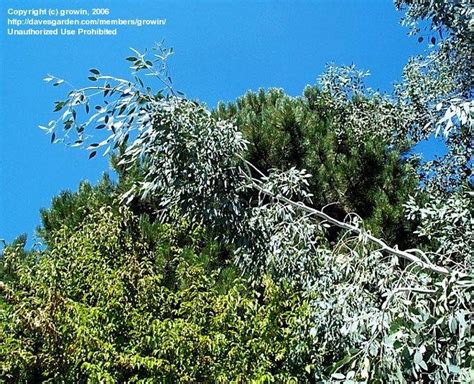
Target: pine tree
365	175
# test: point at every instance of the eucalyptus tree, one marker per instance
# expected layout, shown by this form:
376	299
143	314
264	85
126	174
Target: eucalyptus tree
437	87
377	312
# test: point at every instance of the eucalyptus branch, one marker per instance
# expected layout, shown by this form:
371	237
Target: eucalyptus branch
321	215
373	239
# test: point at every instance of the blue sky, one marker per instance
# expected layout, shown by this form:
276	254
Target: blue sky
222	49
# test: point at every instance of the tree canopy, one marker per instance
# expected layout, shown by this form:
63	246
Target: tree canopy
273	239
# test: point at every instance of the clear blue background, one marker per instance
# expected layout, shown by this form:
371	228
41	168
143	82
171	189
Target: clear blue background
222	49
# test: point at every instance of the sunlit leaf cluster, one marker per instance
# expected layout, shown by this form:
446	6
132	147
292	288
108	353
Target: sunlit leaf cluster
275	239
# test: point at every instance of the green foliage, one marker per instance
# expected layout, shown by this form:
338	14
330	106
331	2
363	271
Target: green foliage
438	88
105	304
449	224
209	259
69	209
353	171
356	289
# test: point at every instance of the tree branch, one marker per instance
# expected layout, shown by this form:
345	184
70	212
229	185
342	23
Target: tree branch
323	216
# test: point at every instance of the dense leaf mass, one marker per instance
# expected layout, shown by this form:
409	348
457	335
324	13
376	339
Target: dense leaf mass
350	172
118	299
274	239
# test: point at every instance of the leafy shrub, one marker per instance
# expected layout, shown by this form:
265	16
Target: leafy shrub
104	304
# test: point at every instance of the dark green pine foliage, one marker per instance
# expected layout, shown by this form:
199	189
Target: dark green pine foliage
367	176
70	208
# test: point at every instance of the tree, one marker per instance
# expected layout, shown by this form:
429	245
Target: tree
352	170
367	300
356	309
115	298
437	88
